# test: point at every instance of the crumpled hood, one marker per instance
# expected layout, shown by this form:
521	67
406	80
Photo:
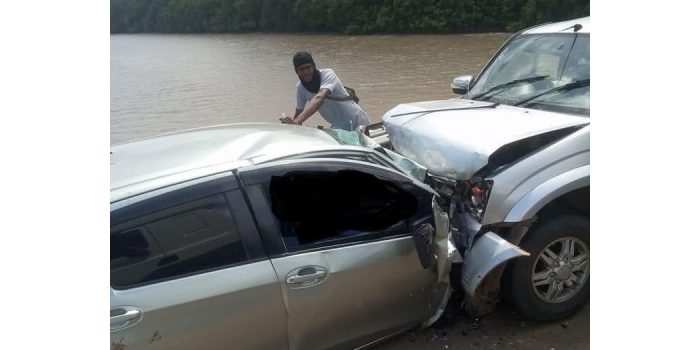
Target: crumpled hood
454	138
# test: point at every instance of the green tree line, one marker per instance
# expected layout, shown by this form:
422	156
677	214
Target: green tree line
338	16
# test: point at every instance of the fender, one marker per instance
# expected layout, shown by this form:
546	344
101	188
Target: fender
532	202
489	251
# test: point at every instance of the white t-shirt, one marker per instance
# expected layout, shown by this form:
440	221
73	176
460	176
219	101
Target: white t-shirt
340	114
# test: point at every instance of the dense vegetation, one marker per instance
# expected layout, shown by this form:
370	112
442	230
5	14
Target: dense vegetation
342	16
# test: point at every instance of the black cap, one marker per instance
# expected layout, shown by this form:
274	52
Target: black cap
301	58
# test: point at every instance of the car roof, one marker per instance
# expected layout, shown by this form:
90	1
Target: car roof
145	165
560	27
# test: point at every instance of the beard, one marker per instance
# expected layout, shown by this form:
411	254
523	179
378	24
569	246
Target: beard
314	85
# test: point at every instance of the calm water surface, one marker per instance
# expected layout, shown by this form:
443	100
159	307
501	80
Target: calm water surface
162	83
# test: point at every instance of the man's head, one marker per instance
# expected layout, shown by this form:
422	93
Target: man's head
304	66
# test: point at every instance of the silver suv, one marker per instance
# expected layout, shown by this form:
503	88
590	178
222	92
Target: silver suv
512	156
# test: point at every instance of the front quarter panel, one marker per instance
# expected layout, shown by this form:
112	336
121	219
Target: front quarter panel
514	183
546	192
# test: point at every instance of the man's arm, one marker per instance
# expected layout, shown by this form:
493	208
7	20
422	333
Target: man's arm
311	107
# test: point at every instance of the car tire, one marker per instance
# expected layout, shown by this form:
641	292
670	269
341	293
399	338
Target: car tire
554	281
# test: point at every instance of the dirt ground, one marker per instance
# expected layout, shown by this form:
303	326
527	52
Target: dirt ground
503	329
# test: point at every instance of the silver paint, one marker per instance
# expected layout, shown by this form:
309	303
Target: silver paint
240	306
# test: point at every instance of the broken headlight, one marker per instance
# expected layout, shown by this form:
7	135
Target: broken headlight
465	196
477	197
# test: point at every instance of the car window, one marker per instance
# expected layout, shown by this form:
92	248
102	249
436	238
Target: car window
197	236
578	62
322	208
576	68
541	71
525	57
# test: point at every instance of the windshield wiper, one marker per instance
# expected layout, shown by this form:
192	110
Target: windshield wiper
562	88
509	84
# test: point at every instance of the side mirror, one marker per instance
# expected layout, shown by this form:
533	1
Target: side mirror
461	84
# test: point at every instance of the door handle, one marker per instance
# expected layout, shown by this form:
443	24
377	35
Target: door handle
312	277
121	317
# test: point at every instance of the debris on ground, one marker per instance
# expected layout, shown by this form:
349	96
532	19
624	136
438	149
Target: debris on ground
503	330
475	323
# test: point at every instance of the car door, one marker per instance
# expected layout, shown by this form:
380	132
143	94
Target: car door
188	272
339	235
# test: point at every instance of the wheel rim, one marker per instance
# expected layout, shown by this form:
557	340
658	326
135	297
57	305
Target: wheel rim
561	270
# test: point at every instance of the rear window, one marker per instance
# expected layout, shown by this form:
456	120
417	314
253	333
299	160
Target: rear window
191	238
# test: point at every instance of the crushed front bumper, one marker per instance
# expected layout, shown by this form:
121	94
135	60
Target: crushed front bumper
484	251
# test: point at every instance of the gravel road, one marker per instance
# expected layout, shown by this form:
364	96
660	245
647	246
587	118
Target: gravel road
503	329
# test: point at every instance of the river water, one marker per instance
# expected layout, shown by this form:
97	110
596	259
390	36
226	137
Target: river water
162	83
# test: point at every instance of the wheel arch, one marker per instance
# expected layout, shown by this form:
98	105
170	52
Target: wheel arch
564	188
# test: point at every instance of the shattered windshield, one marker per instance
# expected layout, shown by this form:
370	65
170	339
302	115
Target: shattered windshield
353	138
356	138
541	71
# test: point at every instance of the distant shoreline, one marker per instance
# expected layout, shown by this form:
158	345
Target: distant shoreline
340	17
312	33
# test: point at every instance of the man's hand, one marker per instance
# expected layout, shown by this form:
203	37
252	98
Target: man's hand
287	120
